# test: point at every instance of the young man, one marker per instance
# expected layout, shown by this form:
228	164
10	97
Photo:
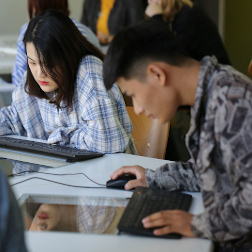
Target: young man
149	66
11	222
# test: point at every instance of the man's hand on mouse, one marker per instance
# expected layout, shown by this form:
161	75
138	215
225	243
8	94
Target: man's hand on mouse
170	221
136	170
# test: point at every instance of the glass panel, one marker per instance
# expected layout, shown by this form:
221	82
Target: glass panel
14	168
72	214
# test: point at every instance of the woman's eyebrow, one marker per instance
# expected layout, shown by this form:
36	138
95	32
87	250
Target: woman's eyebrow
30	58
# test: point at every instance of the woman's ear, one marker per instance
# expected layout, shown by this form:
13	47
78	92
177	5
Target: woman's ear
155	73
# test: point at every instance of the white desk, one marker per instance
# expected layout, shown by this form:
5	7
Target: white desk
99	170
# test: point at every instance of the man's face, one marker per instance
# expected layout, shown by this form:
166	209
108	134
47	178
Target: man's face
149	97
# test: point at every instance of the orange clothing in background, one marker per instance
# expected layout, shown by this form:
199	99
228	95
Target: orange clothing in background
102	22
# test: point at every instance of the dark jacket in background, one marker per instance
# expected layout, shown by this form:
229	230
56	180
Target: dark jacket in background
197	34
123	14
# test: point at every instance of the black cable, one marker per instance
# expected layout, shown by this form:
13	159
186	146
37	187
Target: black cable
56	183
18	174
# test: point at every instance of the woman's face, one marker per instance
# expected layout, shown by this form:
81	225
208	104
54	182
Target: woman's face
44	81
47	218
159	2
162	3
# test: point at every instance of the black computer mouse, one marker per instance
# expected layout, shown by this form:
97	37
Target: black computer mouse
120	181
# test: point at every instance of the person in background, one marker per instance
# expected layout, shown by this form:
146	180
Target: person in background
107	17
62	98
34	8
199	37
193	29
160	77
11	221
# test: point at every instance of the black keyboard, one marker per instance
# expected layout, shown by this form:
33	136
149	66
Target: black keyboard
146	201
70	154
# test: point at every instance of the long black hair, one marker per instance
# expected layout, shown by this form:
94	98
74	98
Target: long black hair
60	47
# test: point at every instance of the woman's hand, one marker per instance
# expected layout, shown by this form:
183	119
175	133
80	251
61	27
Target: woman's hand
136	170
170	221
154	8
104	38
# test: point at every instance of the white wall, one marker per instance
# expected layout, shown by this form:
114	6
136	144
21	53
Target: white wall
13	14
75	7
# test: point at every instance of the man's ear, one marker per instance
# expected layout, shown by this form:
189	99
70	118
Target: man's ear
155	73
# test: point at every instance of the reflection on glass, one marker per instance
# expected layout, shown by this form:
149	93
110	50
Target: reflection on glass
21	168
72	214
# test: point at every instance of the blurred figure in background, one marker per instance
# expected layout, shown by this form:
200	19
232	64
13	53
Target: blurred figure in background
197	34
194	30
34	8
107	17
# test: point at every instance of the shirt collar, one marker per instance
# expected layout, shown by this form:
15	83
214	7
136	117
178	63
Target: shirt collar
207	67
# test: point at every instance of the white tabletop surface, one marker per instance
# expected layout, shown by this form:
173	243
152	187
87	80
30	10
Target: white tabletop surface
99	170
54	242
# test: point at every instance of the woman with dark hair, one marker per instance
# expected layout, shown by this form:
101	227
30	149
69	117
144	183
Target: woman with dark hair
34	8
62	98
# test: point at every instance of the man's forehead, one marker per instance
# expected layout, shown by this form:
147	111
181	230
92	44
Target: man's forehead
128	82
125	84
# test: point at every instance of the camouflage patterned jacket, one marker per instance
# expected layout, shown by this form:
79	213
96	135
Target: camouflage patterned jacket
220	145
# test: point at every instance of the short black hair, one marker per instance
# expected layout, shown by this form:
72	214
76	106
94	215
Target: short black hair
134	47
60	47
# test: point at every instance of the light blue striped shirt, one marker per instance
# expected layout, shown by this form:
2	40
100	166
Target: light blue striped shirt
21	58
98	122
